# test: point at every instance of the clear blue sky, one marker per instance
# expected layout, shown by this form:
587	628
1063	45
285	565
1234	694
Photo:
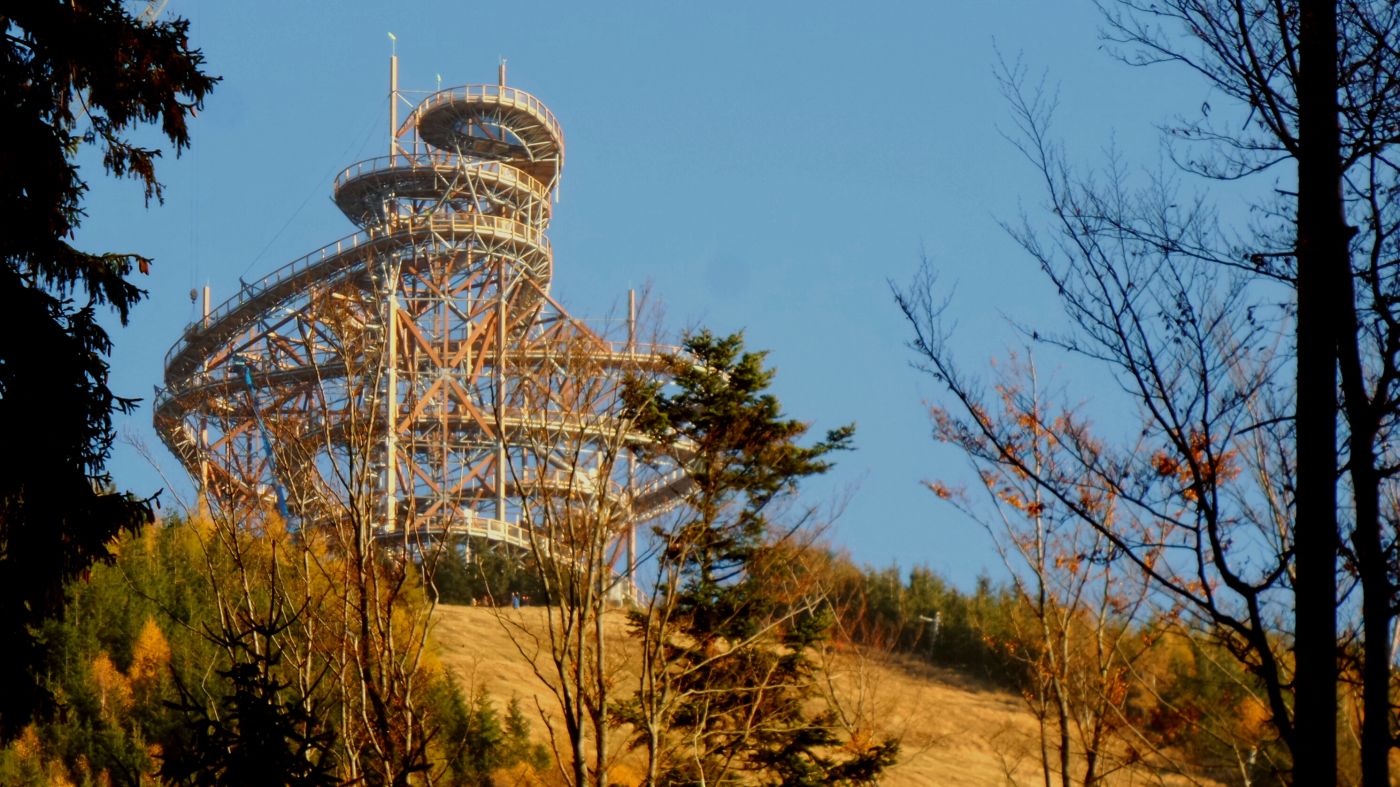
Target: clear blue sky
761	166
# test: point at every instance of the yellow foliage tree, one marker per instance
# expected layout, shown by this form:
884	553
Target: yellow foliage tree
113	689
150	662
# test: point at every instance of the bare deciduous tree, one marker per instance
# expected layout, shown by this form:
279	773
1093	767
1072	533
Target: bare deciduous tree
1318	86
340	605
578	496
1194	348
1079	632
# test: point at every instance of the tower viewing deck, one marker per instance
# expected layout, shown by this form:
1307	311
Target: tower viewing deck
417	377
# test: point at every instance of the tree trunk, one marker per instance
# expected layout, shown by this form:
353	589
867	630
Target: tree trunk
1376	618
1363	420
1321	247
600	689
1044	744
1062	717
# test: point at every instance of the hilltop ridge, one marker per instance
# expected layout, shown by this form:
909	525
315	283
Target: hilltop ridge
953	731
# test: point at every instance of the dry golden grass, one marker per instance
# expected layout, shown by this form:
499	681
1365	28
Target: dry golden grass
952	731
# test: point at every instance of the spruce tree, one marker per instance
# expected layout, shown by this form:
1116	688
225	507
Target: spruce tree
72	74
735	643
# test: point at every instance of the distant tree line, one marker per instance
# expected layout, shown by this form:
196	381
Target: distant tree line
1182	706
473	572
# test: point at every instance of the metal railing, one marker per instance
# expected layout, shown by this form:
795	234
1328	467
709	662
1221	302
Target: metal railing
434	162
463	524
292	269
350	246
502	94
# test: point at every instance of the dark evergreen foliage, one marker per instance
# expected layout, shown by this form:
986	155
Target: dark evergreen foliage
520	748
736	648
71	74
920	614
472	572
256	735
477	743
744	454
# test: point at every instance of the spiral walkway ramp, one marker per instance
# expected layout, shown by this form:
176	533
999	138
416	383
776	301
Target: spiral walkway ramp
416	377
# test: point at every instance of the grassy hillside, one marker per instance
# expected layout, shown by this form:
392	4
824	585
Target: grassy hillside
952	731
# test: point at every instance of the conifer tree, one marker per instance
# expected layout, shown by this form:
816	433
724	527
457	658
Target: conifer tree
727	632
71	74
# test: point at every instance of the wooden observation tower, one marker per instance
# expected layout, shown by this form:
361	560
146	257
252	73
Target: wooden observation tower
416	378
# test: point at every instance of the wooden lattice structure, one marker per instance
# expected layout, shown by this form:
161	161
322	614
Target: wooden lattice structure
421	362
